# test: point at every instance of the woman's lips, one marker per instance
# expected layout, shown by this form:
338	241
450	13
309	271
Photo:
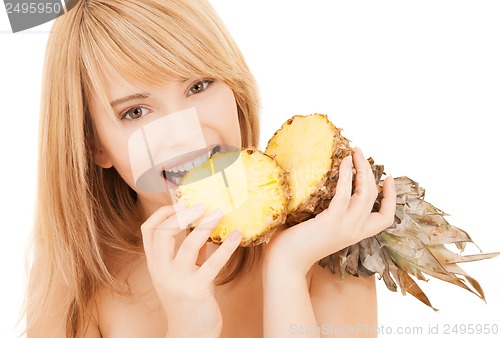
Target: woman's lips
176	177
186	158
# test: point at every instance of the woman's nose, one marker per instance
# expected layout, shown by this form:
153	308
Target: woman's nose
166	138
175	134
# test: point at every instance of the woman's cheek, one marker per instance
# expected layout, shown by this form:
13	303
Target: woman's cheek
122	164
115	143
219	117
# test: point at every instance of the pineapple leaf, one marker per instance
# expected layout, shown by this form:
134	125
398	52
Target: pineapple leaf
409	285
352	261
454	268
447	257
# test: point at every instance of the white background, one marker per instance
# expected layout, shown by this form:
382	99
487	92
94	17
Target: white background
415	84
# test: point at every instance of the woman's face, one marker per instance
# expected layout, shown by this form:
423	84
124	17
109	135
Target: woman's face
158	126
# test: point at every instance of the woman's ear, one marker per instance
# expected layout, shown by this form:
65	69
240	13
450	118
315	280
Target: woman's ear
98	154
101	158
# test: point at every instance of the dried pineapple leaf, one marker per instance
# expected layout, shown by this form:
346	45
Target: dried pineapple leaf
393	269
406	188
444	235
423	208
425	261
330	262
461	246
342	258
403	263
409	285
352	261
369	255
389	282
429	234
389	265
454	268
447	257
432	220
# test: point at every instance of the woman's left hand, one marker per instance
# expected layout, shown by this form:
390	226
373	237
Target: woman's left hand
347	220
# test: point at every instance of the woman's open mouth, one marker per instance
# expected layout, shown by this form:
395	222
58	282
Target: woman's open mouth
175	174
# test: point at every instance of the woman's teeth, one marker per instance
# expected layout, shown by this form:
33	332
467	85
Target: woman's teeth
176	173
190	165
175	180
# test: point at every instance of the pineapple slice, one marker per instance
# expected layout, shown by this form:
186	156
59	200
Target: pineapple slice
250	188
311	148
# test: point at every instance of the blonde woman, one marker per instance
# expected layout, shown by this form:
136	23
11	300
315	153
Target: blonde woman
112	260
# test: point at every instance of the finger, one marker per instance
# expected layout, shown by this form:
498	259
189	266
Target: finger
388	203
154	220
384	218
162	240
202	254
340	201
189	249
361	203
212	266
364	181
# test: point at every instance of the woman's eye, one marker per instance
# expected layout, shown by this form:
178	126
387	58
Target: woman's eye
135	113
200	86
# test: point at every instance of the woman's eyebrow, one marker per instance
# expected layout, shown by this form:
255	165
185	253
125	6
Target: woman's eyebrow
130	97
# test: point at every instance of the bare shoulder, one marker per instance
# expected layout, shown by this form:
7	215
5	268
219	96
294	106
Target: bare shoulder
49	320
347	306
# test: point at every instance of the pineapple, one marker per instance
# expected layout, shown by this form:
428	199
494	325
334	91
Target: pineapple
250	188
295	179
310	148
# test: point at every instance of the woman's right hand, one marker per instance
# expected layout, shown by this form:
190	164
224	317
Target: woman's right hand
185	289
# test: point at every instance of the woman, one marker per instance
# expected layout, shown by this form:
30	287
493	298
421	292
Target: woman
111	260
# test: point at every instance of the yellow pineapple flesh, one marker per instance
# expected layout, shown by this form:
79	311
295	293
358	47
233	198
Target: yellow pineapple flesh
310	148
250	188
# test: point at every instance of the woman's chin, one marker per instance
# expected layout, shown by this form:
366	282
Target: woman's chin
149	202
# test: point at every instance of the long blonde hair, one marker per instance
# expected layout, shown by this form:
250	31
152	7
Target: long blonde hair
85	213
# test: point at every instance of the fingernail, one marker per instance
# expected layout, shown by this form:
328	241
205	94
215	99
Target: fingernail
235	235
181	205
349	161
184	214
216	214
391	181
358	150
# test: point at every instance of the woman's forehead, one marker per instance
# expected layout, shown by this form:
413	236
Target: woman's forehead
117	86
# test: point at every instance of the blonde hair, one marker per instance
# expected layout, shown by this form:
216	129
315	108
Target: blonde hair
84	212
